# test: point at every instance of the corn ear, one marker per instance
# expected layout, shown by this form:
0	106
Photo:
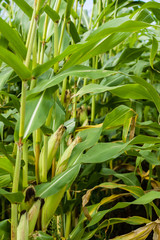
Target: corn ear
49	207
63	161
22	230
53	145
33	215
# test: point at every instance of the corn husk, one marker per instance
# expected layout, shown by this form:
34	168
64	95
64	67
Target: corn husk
53	145
23	227
33	215
63	161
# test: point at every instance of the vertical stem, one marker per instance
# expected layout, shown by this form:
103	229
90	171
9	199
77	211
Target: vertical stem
56	45
25	168
14	207
68	218
64	85
61	36
37	153
80	17
22	110
44	162
58	3
75	99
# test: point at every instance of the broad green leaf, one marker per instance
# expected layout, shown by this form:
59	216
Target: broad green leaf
13	38
153	51
5	227
128	178
37	109
51	13
73	32
151	5
4	76
117	117
98	43
58	182
6	121
12	197
15	62
95	48
6	164
141	139
69	8
135	220
77	71
151	90
102	152
134	91
130	54
25	7
5	180
123	24
5	152
147	197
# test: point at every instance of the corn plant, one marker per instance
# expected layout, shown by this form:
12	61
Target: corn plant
79	119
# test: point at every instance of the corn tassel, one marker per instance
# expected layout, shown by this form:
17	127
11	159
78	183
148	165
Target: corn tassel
53	145
22	230
63	161
33	215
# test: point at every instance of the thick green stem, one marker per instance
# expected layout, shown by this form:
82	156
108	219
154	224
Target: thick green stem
75	99
44	38
56	45
61	36
64	85
44	161
22	110
25	168
68	218
14	208
30	30
14	221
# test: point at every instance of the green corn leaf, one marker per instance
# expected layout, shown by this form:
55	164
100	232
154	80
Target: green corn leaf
73	32
98	42
78	71
6	164
15	62
12	197
59	182
25	7
153	51
51	13
134	91
117	117
69	8
14	39
34	109
151	90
